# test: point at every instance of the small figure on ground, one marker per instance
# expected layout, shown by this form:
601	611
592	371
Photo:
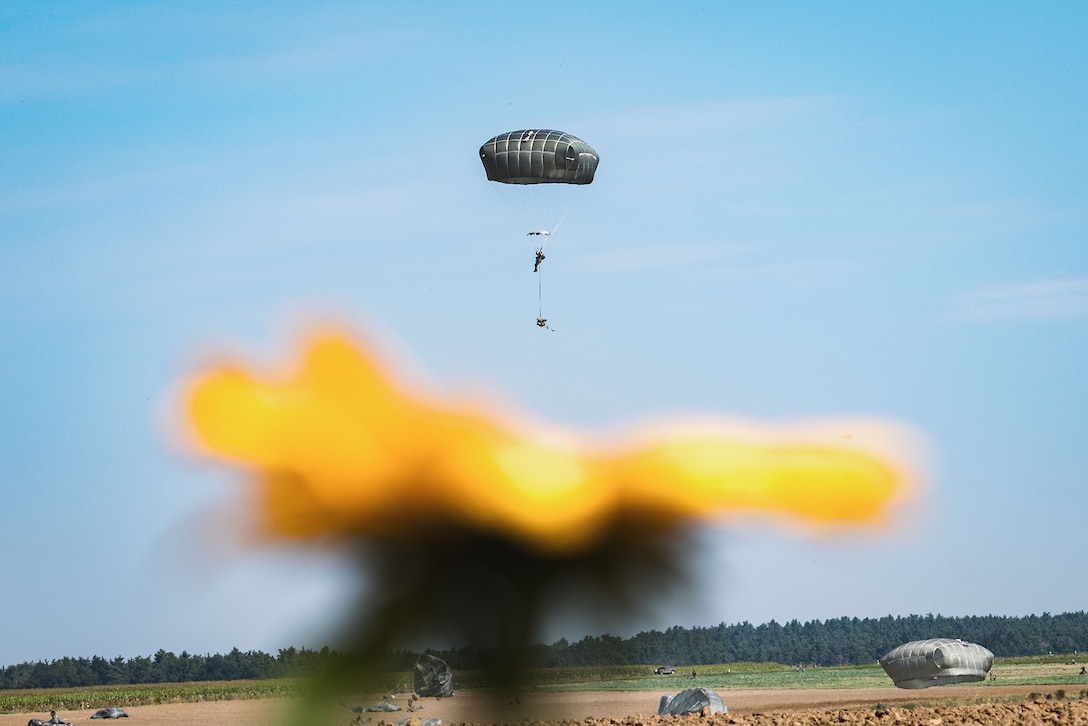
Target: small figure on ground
53	720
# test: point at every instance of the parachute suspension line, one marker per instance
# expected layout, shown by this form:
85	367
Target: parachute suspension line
540	207
561	204
557	202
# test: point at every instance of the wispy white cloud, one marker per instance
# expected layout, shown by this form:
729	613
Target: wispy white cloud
1055	299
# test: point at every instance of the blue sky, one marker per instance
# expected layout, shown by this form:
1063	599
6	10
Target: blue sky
802	211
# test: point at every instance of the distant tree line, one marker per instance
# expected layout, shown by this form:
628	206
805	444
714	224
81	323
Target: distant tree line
843	641
164	667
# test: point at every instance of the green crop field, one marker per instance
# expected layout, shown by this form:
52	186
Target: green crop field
44	699
735	676
1053	670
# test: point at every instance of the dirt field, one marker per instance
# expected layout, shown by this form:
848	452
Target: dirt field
972	705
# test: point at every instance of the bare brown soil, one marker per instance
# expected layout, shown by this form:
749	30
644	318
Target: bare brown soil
944	706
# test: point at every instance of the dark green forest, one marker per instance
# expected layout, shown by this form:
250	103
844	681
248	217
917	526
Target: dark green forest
843	641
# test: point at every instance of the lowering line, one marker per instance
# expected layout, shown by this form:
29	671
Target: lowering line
541	321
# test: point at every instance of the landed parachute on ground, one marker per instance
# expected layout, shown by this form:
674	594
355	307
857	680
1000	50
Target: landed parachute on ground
111	712
693	700
936	662
433	677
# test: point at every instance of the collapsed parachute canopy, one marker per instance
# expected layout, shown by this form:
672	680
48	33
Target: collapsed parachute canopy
539	156
693	700
936	662
433	677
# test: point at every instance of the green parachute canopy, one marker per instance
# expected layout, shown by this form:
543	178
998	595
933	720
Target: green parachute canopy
936	662
538	156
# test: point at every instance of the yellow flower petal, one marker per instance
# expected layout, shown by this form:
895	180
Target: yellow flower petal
340	451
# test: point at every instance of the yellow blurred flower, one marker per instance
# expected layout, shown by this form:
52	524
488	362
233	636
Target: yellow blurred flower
341	451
